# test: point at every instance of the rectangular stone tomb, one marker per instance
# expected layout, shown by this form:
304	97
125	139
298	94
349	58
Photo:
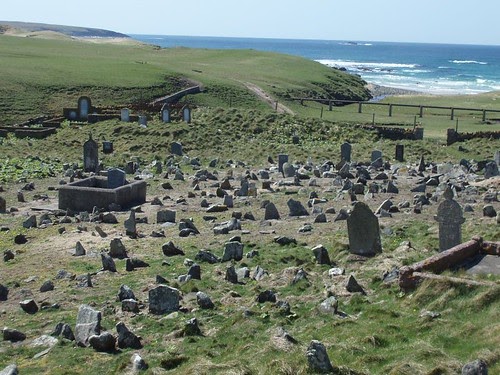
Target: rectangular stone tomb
92	192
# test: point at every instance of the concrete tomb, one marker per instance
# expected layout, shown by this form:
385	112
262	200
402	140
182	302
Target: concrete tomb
84	195
364	231
90	155
450	219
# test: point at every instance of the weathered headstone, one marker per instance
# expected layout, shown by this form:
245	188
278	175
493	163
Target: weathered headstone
165	216
318	359
176	148
345	152
288	170
296	208
163	299
116	178
165	114
376	154
233	250
364	231
90	155
143	120
88	323
491	169
84	107
3	205
450	218
107	147
497	157
400	150
125	115
282	159
131	225
186	115
271	212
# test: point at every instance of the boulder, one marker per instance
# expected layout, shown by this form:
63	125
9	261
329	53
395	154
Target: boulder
127	339
88	323
104	342
318	359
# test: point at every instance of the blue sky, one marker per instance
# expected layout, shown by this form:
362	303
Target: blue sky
431	21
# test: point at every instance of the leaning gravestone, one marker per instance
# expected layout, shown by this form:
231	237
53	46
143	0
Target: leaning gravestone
282	159
450	218
90	155
88	323
163	299
345	152
364	231
125	115
116	178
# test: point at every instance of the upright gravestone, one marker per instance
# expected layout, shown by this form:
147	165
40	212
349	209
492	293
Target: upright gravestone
282	159
364	231
376	154
497	157
163	299
186	115
400	151
165	114
125	115
450	218
84	106
176	148
143	120
116	178
3	205
345	152
107	147
491	169
90	155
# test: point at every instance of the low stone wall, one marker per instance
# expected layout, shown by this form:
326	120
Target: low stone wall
84	195
453	136
396	134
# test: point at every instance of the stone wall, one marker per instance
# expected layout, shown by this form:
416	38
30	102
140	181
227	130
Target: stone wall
453	136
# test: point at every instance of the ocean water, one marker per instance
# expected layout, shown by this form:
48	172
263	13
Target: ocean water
431	68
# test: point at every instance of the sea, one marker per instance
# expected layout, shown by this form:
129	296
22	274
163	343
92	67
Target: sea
443	69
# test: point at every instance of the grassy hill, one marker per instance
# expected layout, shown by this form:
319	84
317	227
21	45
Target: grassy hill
43	76
71	31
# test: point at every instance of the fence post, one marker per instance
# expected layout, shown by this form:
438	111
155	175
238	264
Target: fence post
421	111
452	114
390	110
360	107
330	105
484	115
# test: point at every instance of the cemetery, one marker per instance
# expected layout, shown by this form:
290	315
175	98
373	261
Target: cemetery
191	233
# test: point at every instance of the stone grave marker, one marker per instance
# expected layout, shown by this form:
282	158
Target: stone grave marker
400	150
364	231
163	299
143	120
116	178
107	147
90	155
450	219
3	205
84	106
345	152
497	157
165	114
125	115
176	148
376	154
186	115
282	159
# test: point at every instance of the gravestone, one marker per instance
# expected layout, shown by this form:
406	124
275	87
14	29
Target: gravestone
88	323
107	147
116	178
3	205
143	120
376	154
271	212
84	107
491	170
176	148
163	299
364	231
282	159
165	216
186	115
345	152
288	170
90	155
450	219
497	157
400	150
165	114
125	115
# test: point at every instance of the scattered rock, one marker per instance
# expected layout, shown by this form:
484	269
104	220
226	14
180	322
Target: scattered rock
104	342
318	359
204	301
477	367
170	250
127	339
13	335
163	299
88	323
29	306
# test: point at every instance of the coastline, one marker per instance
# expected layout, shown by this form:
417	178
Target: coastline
379	92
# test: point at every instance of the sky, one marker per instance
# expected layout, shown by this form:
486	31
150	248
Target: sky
423	21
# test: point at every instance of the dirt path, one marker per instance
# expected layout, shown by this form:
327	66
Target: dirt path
267	98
